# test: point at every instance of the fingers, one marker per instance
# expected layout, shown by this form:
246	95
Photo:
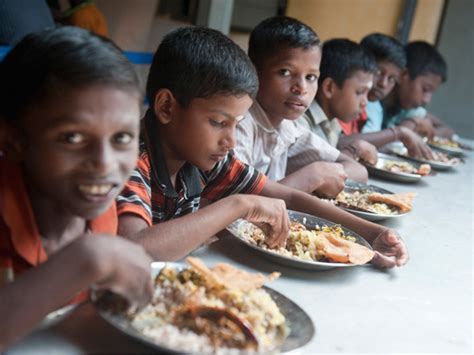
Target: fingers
390	250
383	262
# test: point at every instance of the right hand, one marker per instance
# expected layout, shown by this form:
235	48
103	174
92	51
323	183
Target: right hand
417	148
271	216
125	268
332	177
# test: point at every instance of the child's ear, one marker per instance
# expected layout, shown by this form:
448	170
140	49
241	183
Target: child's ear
327	87
12	142
164	105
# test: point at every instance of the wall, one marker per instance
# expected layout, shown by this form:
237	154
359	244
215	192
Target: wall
454	100
347	18
426	20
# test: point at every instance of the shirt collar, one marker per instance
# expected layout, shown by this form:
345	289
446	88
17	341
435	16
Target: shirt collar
188	174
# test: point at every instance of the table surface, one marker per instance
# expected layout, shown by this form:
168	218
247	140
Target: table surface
425	306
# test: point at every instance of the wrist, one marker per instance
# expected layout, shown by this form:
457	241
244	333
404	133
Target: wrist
396	133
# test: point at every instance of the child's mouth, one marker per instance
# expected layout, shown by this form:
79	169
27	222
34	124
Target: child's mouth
95	192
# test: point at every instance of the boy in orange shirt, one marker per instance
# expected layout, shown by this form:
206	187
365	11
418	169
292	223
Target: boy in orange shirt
199	87
69	120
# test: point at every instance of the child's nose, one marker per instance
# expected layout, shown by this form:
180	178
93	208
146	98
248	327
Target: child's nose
229	140
101	159
299	86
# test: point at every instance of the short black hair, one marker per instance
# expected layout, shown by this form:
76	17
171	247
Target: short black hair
198	62
423	58
385	48
66	55
274	33
341	58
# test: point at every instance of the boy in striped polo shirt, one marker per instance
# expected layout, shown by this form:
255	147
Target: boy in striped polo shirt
200	86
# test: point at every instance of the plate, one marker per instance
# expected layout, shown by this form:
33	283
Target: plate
352	186
309	222
395	176
301	326
56	316
445	148
402	152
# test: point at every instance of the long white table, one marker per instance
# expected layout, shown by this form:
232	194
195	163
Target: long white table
425	306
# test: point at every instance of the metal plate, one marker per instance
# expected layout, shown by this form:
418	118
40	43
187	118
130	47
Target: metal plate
352	186
402	152
449	150
301	326
309	222
401	177
56	316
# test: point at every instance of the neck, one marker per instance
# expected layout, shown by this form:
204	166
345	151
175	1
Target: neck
173	162
54	222
324	104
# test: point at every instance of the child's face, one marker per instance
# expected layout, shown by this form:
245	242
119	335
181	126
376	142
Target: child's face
80	146
387	76
288	83
419	91
204	132
346	103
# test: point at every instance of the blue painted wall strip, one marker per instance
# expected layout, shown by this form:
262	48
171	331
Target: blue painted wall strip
135	57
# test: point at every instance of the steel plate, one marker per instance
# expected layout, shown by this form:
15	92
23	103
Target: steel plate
401	177
401	152
308	221
301	326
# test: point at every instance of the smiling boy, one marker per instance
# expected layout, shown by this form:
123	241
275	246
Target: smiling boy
287	55
200	86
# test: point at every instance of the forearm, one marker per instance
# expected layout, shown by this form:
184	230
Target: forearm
176	238
303	202
27	300
300	180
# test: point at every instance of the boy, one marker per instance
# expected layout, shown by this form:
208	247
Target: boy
287	54
426	71
391	61
70	117
346	78
199	87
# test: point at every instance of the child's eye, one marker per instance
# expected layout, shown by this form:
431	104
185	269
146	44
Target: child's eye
216	123
123	138
392	80
311	77
284	72
72	138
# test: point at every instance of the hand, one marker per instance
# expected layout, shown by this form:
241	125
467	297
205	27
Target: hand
417	148
126	268
271	216
331	178
362	150
424	127
390	250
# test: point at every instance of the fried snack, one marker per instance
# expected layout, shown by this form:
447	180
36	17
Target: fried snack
205	310
360	200
396	166
402	201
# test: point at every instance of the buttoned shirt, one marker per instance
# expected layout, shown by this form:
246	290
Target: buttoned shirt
316	120
279	151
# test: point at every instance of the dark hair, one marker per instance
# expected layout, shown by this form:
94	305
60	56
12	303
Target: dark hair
198	62
270	35
384	47
341	58
66	55
423	58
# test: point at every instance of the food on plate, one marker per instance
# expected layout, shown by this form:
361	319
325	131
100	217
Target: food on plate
329	244
444	143
368	201
396	166
445	158
402	201
207	310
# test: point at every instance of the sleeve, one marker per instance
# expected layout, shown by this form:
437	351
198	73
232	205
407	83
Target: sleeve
232	176
244	135
308	148
135	197
415	113
374	117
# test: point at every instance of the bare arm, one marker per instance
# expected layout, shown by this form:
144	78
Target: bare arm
441	128
174	239
353	169
391	249
109	262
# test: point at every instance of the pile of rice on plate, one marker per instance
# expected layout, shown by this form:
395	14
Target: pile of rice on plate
218	310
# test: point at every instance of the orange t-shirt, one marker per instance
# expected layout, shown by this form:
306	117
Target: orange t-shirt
354	126
20	241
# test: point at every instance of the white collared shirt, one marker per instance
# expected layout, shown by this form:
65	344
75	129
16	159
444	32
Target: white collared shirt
317	122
